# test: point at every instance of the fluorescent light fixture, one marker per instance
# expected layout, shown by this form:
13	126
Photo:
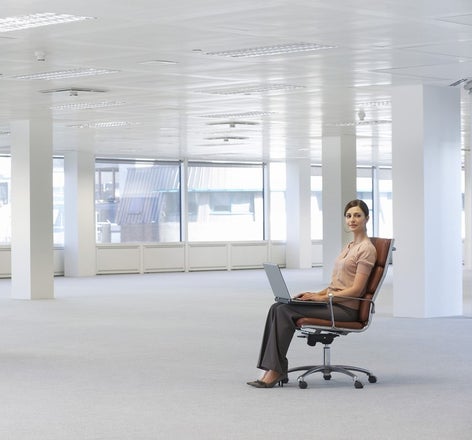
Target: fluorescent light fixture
87	105
17	23
73	91
375	122
64	74
233	124
378	104
248	90
360	123
109	124
253	114
158	62
226	138
271	50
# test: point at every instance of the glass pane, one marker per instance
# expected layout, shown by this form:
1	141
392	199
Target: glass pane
278	217
5	200
316	203
385	203
365	193
58	200
463	227
137	202
225	202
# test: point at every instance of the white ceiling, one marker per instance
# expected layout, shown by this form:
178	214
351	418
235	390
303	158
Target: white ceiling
186	109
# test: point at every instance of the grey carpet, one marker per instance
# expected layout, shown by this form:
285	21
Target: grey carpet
166	356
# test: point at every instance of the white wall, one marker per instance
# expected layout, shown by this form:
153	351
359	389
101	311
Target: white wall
176	257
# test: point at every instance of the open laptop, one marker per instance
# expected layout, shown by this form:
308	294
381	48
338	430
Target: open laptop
280	290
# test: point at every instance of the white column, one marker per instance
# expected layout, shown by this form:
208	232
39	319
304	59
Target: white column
467	251
32	257
339	187
426	171
298	197
79	210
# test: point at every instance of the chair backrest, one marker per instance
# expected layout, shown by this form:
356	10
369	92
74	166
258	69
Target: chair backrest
384	247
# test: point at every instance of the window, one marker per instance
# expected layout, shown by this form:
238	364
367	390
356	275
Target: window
384	208
374	186
278	217
365	192
137	201
5	200
225	202
316	203
58	200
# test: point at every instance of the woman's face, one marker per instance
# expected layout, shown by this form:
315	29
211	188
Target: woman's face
356	219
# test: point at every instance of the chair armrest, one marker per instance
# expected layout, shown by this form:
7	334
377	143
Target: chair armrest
330	306
342	298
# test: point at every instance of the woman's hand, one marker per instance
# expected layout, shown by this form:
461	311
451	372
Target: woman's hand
311	296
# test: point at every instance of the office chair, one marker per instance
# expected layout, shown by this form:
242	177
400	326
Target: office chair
325	331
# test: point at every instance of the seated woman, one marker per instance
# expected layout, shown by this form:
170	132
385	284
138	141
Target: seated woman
349	279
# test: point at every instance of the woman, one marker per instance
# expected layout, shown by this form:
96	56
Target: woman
351	272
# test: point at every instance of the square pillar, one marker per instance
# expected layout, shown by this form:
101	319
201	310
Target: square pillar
79	203
298	200
32	254
339	187
426	177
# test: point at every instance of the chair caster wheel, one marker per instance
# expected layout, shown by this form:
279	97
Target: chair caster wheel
372	379
327	376
358	384
302	384
284	380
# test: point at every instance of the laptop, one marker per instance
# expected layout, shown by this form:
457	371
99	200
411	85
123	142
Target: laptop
280	290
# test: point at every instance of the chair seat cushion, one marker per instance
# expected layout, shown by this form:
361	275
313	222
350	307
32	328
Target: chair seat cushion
356	325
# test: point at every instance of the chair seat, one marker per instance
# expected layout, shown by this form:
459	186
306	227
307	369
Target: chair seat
354	325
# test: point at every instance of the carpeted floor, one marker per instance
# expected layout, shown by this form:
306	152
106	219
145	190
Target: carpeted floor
167	356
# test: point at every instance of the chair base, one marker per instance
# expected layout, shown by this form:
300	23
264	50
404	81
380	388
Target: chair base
326	369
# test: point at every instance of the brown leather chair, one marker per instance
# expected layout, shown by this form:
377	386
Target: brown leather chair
324	331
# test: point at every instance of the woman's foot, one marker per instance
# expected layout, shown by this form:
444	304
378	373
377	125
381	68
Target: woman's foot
271	376
269	379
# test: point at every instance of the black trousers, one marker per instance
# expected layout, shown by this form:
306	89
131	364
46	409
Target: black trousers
281	325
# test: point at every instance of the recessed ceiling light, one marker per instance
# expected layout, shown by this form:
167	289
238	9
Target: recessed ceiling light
271	50
73	90
109	124
233	124
226	138
341	124
384	103
254	114
87	105
248	90
366	122
63	74
9	24
158	62
375	122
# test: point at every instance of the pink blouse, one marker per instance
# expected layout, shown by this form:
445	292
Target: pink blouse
354	258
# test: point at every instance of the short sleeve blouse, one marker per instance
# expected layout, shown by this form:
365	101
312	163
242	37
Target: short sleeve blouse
355	257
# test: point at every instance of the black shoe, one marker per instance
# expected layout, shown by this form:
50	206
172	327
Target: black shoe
261	384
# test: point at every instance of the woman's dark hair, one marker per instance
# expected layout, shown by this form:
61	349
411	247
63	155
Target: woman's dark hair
360	203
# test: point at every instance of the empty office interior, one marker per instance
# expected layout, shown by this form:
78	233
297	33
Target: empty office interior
184	144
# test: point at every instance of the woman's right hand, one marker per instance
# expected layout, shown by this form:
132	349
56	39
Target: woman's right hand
308	296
